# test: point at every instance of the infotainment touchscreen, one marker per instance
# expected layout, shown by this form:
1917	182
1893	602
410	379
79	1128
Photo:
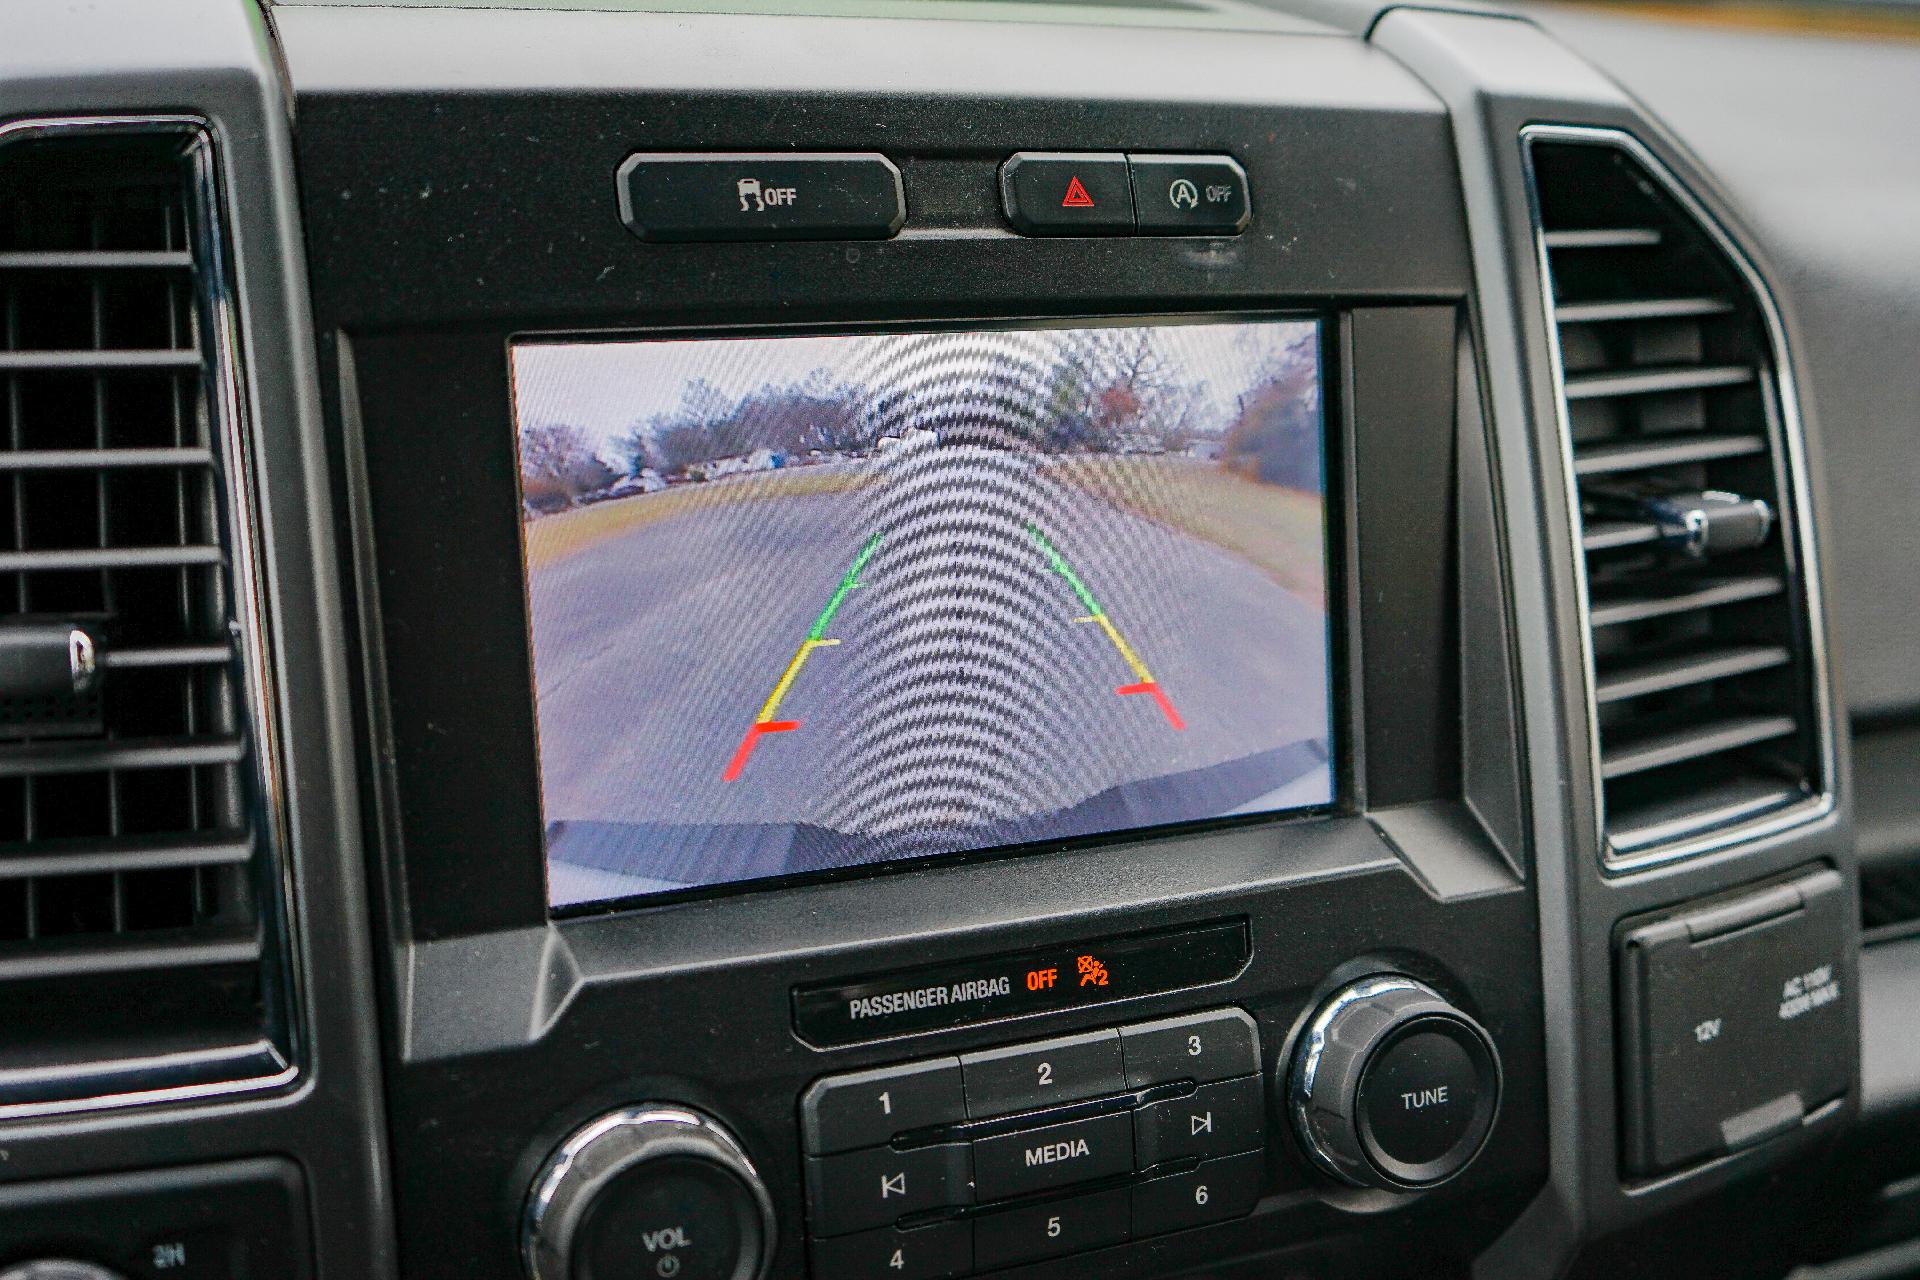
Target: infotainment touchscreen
807	603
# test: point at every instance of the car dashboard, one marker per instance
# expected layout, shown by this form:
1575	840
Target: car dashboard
927	638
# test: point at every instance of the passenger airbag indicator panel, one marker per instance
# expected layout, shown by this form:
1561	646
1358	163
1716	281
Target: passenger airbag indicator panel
936	997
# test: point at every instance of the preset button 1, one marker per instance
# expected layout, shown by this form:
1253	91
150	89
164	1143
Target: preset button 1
866	1108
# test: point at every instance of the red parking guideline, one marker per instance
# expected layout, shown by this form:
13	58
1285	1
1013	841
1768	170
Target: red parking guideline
739	761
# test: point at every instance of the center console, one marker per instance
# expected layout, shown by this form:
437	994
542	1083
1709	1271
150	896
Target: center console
979	782
970	655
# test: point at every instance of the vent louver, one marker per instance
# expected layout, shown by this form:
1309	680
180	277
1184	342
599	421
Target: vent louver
141	947
1704	664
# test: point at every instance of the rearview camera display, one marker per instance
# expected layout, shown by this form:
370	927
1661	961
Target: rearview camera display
801	604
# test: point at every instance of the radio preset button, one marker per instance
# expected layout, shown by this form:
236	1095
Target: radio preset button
1216	1120
1203	1047
1189	195
865	1108
1057	1155
1215	1191
926	1253
1052	1230
1024	1077
873	1188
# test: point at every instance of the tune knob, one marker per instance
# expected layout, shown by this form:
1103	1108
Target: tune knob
656	1190
1392	1087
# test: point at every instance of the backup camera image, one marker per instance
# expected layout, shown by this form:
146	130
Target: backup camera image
806	603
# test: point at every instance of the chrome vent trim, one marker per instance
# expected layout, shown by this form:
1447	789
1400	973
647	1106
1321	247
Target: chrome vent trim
1743	814
271	1058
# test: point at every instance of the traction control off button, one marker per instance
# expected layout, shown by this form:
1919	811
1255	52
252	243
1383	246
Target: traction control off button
777	196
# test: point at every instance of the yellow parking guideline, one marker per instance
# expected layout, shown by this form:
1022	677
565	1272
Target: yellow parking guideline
1126	650
786	677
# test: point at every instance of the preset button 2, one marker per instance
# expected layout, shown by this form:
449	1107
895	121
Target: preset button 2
1023	1077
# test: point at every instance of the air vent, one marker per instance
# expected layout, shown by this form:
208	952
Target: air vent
1707	703
141	949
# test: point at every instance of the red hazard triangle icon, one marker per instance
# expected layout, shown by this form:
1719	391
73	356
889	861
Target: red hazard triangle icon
1076	197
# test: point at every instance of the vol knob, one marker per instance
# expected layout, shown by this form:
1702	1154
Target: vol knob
652	1190
1392	1087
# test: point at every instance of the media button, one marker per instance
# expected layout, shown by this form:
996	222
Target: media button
1067	193
1051	1230
1203	1047
785	195
1056	1155
1216	1120
1189	195
866	1108
873	1188
1023	1077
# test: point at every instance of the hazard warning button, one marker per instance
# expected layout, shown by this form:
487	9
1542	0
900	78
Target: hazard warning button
1068	193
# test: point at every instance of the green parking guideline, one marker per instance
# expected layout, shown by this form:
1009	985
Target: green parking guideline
1061	567
848	583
